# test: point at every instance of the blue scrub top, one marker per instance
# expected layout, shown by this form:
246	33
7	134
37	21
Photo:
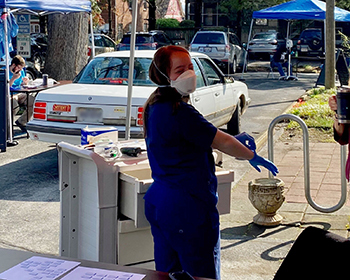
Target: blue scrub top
17	83
180	155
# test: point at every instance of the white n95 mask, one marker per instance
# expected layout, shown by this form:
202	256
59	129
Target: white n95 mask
186	83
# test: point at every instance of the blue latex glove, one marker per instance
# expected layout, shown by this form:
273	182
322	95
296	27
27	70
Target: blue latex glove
258	160
246	140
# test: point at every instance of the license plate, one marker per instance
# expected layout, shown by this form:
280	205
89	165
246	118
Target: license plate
61	108
304	49
207	49
90	115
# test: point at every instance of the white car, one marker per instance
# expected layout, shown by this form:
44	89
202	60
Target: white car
98	96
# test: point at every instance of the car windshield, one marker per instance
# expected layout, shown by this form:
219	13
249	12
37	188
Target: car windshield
209	38
140	39
115	71
265	36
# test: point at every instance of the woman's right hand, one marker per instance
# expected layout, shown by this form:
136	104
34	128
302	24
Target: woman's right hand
332	102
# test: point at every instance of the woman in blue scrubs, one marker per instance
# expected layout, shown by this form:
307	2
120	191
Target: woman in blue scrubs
181	203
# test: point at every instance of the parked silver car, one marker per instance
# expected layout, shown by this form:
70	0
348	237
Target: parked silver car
224	48
264	44
103	44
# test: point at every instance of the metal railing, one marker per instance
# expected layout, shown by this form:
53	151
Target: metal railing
306	155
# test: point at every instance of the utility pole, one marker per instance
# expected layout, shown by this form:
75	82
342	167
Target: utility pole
330	45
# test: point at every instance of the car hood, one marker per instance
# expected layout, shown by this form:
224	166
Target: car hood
95	94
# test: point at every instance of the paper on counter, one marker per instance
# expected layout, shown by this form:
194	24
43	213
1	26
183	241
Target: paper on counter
101	274
36	267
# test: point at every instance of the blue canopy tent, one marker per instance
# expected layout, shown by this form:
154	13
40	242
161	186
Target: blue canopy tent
48	5
297	10
301	9
40	7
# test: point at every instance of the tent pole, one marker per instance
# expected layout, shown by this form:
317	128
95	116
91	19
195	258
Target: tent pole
246	54
9	105
289	54
131	69
92	37
324	34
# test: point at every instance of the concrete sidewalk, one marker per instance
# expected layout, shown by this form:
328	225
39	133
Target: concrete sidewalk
252	252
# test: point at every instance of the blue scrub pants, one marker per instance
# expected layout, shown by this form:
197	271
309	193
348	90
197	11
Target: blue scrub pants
193	248
280	67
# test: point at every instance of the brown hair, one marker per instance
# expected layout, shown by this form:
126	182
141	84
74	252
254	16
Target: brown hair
18	60
162	62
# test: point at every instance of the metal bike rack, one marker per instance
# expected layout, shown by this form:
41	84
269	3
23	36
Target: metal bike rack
307	163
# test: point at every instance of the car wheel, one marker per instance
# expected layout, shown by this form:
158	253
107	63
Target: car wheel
234	125
30	75
233	68
38	60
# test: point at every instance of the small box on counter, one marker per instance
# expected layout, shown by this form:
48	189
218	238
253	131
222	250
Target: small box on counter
91	135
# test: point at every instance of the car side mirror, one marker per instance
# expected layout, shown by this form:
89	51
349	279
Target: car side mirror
229	78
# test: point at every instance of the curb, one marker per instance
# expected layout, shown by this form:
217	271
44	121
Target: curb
262	140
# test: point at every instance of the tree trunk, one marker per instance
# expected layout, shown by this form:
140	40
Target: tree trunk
152	15
68	45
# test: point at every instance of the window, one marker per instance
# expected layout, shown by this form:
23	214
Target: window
159	38
34	28
98	41
114	70
200	79
209	38
108	43
211	72
234	40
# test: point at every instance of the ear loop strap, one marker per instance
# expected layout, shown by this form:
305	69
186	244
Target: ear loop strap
155	65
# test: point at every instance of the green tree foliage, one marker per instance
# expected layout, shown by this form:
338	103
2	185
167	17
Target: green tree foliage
229	7
343	4
96	13
167	22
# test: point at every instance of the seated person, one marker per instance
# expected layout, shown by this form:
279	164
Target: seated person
279	60
17	79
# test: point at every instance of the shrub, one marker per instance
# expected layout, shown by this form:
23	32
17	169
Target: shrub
314	111
345	44
167	22
187	23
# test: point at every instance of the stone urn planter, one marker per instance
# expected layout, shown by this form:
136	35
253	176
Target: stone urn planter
266	195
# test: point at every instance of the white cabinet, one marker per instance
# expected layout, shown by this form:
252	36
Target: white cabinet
102	206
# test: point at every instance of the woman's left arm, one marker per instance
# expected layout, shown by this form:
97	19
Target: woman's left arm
233	147
230	145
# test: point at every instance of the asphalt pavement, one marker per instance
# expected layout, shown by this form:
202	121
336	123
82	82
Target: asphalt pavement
29	205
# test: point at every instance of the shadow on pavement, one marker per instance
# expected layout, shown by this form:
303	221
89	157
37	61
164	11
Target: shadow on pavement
253	231
305	81
34	178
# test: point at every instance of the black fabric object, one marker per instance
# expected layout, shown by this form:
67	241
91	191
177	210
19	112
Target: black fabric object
342	69
316	254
